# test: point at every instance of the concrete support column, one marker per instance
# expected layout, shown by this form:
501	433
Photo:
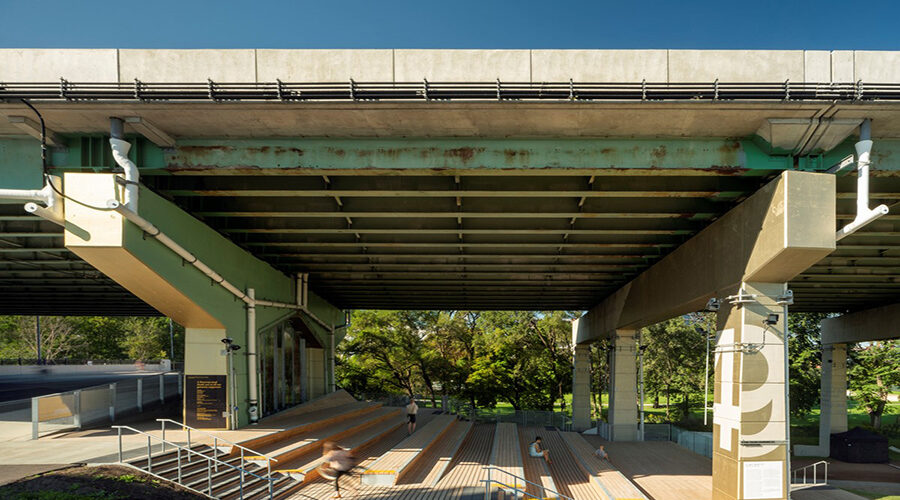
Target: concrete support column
623	414
581	388
315	371
834	393
749	438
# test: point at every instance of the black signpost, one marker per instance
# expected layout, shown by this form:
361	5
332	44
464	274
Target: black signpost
205	401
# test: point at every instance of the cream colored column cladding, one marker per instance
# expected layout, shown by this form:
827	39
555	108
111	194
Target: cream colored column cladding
834	387
749	442
315	358
581	387
623	415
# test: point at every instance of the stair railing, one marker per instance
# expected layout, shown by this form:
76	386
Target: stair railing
795	474
517	491
184	450
244	450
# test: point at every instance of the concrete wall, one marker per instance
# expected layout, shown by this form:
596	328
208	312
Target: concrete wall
408	65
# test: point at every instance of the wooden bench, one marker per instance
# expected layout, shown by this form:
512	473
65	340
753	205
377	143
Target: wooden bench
398	461
306	470
606	479
506	455
536	469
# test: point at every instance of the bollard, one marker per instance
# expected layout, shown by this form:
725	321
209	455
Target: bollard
35	417
162	389
112	402
140	394
180	392
77	412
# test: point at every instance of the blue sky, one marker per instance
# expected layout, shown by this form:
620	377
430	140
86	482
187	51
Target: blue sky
763	24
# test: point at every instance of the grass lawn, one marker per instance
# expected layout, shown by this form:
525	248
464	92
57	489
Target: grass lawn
873	496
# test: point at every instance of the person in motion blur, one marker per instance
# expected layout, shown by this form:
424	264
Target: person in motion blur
338	462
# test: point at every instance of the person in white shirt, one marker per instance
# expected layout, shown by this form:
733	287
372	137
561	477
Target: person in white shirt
537	451
411	410
601	453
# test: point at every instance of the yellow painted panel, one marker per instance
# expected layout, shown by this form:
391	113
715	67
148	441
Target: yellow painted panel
125	269
86	226
203	352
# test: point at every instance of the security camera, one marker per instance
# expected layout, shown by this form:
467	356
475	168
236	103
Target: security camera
712	305
235	347
227	340
772	319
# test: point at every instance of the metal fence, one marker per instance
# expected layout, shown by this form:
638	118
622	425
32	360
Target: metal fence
33	417
464	409
698	442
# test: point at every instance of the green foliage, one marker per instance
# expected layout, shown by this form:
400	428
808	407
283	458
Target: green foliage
520	357
674	359
88	337
805	361
872	373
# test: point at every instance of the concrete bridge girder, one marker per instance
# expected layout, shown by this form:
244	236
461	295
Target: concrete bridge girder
161	278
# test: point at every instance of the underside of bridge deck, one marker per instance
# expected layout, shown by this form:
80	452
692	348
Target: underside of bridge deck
452	224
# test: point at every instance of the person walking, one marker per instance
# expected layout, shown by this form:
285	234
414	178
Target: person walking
411	410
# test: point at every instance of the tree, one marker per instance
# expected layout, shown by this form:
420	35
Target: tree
145	338
872	373
59	338
674	357
805	361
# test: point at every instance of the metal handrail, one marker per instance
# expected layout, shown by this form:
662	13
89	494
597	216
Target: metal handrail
805	469
216	440
515	486
209	461
814	466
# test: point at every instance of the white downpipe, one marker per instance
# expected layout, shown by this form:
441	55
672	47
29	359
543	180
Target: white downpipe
192	259
864	215
251	357
53	206
120	149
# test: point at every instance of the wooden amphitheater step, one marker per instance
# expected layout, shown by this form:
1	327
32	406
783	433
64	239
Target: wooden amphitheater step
312	423
305	421
435	463
607	481
388	469
536	469
303	467
506	455
306	442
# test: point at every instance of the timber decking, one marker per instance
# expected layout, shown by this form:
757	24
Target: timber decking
535	469
605	482
306	424
318	487
663	470
388	469
313	440
507	456
302	465
430	468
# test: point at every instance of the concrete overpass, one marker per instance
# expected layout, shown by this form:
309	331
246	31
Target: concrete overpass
633	184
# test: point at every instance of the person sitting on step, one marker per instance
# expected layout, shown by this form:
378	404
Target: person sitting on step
537	451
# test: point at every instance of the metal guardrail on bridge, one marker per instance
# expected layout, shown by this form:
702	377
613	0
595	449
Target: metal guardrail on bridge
425	90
